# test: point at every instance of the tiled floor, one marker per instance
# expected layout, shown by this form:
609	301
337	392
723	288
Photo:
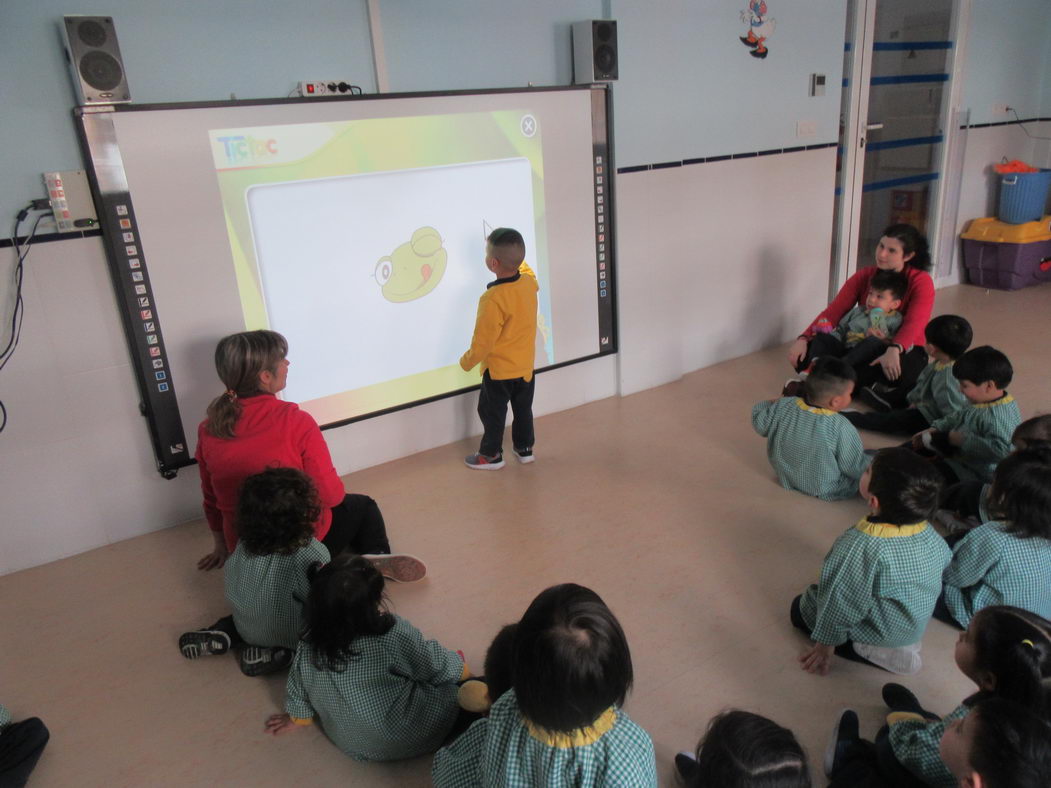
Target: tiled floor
663	502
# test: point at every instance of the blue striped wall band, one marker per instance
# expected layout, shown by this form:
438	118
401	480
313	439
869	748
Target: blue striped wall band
905	79
905	143
663	165
899	46
908	180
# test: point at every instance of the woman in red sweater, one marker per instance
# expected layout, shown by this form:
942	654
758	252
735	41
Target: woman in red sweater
249	429
902	248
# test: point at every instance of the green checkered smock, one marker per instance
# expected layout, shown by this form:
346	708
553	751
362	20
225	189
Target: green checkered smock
266	593
878	585
504	751
915	745
813	450
397	699
992	567
857	321
5	717
937	393
987	429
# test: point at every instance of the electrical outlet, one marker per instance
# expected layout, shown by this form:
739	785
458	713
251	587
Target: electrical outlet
335	87
806	128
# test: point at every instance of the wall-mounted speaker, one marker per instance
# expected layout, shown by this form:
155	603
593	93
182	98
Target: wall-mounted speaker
595	57
94	59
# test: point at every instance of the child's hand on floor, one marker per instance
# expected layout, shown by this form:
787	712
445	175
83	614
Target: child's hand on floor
279	723
818	659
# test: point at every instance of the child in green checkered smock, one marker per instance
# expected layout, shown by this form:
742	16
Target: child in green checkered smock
813	449
379	690
1007	562
881	579
561	724
1006	652
978	436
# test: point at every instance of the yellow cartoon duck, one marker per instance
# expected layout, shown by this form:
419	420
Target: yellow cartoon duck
413	269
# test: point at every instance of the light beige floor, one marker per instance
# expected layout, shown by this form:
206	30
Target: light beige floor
663	502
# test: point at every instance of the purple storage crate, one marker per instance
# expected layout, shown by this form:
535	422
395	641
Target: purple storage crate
1007	266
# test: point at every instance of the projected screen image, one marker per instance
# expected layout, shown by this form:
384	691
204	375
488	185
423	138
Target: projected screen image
356	228
390	241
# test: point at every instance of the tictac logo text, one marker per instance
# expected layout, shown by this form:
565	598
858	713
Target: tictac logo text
243	148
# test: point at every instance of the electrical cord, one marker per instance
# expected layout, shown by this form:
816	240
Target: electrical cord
21	253
1022	124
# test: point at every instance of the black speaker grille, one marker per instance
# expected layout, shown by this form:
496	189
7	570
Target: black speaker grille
605	59
100	70
91	33
603	32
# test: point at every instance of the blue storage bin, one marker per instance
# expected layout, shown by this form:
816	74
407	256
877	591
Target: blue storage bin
1023	196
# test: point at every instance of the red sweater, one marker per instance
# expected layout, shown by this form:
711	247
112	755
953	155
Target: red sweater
916	306
270	433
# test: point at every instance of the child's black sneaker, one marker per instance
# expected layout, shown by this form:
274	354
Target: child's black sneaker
400	567
480	462
685	767
843	736
899	698
875	399
525	456
793	388
203	642
261	660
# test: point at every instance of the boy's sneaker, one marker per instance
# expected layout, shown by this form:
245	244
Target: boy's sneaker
525	456
203	642
875	399
685	767
482	463
261	660
398	567
793	388
899	698
843	736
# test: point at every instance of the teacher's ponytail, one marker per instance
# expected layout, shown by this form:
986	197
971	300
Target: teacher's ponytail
239	359
912	242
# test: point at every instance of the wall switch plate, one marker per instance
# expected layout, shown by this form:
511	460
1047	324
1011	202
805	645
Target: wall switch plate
817	84
71	200
806	128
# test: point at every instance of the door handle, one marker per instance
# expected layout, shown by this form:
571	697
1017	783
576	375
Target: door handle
873	126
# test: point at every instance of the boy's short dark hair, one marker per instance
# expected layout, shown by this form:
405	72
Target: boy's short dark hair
508	246
1011	745
897	282
984	363
1021	492
739	746
571	659
828	378
951	334
276	511
1033	432
906	485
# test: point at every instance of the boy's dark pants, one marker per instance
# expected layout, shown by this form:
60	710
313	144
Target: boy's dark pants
845	650
21	744
908	421
492	410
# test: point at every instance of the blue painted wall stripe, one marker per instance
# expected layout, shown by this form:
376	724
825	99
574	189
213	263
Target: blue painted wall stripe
906	46
876	186
905	143
906	79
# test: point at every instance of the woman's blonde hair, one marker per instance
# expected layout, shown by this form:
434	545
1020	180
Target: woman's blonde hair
239	359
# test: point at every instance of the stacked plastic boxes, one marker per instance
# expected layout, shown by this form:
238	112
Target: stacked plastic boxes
1007	256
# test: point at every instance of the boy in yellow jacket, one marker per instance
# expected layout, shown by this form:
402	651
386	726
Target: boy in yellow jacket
504	342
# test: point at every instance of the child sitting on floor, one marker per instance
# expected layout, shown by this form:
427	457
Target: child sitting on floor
744	750
561	722
1005	651
1007	561
881	579
973	440
811	448
380	691
936	394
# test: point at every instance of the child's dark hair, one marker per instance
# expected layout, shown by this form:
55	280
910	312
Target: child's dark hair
951	334
912	242
571	659
1011	746
1013	647
1033	432
345	603
984	363
897	282
828	378
744	750
498	660
906	486
508	246
276	511
1021	492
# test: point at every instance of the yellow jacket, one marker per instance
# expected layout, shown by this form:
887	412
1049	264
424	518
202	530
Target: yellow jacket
504	340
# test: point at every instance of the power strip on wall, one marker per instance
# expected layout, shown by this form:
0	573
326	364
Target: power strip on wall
329	88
